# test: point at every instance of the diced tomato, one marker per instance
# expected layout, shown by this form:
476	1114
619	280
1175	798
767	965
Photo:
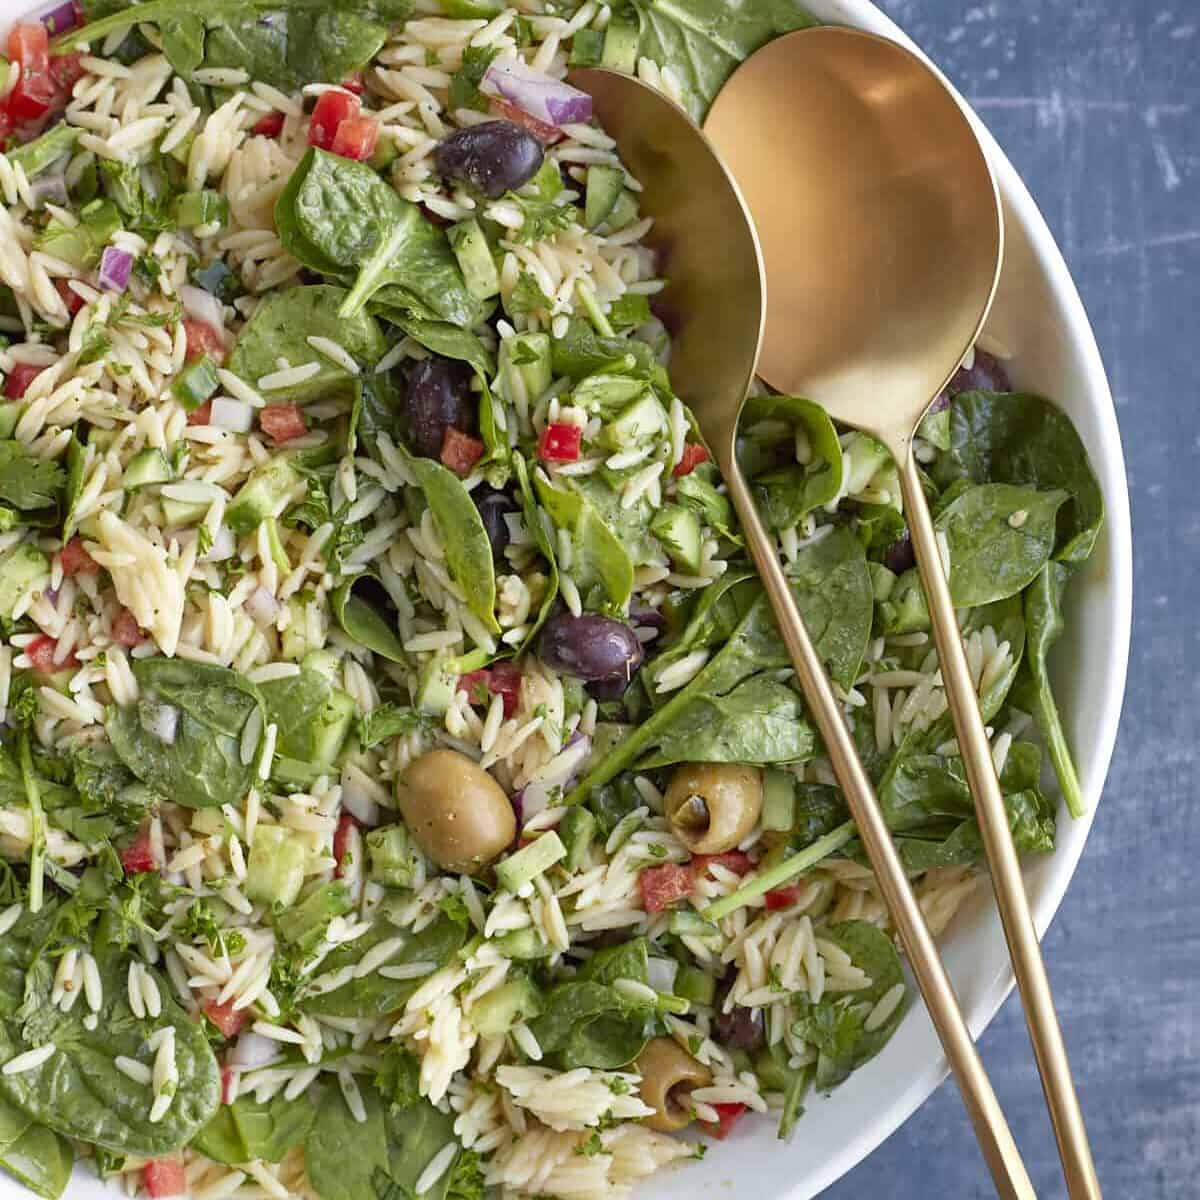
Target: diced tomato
693	455
226	1018
341	838
126	631
76	560
783	897
460	451
41	654
228	1082
35	92
546	134
164	1177
728	1116
560	443
201	415
356	137
139	858
5	125
203	339
500	679
19	379
282	422
71	298
269	126
353	83
66	70
663	886
736	861
332	108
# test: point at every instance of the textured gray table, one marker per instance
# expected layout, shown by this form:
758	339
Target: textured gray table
1097	104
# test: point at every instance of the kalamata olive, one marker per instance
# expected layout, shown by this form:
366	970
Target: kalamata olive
740	1029
669	1075
985	374
493	158
604	691
492	505
456	812
439	395
590	647
900	556
713	806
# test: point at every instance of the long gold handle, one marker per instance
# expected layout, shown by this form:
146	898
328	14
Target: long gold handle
991	1129
1026	955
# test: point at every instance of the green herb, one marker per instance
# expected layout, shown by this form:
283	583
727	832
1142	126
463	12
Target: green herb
542	219
388	721
527	297
464	83
26	482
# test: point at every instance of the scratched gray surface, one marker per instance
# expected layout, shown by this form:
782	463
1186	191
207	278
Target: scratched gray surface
1097	102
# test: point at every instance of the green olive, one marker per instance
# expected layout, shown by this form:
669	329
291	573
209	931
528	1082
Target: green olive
669	1073
456	812
713	806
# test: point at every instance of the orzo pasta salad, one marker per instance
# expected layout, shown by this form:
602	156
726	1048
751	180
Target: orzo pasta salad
403	787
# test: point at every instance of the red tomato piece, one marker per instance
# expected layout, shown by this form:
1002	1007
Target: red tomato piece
663	886
76	560
164	1177
346	825
71	298
560	443
19	379
139	858
269	126
36	91
353	83
203	339
332	108
126	631
41	654
201	415
476	684
728	1116
226	1018
693	455
356	137
66	70
783	897
546	134
460	451
282	422
228	1079
736	861
506	682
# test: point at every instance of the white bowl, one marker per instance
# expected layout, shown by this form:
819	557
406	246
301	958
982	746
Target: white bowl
1038	314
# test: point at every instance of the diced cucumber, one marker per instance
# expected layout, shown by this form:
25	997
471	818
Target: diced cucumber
604	187
264	494
525	367
686	923
523	945
195	383
146	467
862	456
511	1003
637	422
624	212
180	513
201	208
392	857
587	48
905	611
435	687
779	800
548	180
679	531
883	581
695	986
275	546
605	395
386	152
208	821
24	570
304	924
471	10
577	830
275	871
622	40
10	414
528	863
475	259
324	662
300	639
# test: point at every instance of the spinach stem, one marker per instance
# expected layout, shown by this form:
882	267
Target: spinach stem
1056	746
37	823
778	875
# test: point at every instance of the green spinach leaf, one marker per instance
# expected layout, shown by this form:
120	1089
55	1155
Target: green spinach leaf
364	622
530	513
246	1131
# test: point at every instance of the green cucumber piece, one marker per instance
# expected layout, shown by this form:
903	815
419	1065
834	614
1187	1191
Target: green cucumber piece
779	800
605	186
528	863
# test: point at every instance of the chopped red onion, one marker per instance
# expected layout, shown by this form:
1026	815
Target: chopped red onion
115	265
202	306
232	415
536	93
253	1050
60	17
160	721
262	606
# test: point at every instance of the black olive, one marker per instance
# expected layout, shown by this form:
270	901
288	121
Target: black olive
590	647
900	556
439	395
492	505
740	1028
493	158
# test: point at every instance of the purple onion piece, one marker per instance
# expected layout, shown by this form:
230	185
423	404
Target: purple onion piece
51	187
60	17
536	93
115	266
517	800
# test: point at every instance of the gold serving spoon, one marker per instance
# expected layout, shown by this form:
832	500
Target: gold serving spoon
716	297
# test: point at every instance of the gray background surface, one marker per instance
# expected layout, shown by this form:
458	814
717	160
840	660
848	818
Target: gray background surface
1097	102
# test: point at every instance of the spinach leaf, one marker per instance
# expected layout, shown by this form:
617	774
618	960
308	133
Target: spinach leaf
581	351
312	717
468	550
78	1092
837	1027
202	767
45	150
36	1156
445	339
76	457
246	1131
337	216
590	1024
703	41
1000	536
602	569
1044	619
374	995
363	621
280	328
1022	439
533	522
334	1173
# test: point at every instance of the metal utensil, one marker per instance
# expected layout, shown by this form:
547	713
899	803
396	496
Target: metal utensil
716	301
882	233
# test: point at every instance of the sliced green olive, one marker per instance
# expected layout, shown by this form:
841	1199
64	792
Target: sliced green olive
713	806
456	812
669	1075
